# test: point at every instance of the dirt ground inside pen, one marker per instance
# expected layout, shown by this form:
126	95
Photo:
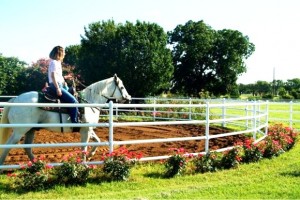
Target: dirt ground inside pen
17	156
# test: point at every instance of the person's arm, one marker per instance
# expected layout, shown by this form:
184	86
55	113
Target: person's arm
58	90
68	77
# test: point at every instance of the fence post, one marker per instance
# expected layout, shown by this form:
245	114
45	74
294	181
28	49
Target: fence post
117	113
246	114
254	120
267	118
223	112
111	127
154	108
207	128
190	109
291	114
258	111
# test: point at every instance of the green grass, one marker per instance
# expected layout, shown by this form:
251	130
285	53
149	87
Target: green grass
276	178
278	113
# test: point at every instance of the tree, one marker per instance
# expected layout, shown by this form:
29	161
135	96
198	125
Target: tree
293	87
205	59
144	58
10	68
34	77
72	55
230	50
276	84
292	84
97	53
136	52
263	87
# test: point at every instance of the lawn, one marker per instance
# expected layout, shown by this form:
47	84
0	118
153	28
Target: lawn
276	178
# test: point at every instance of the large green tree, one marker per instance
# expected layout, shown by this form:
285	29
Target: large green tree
10	69
138	53
263	87
231	49
206	59
72	55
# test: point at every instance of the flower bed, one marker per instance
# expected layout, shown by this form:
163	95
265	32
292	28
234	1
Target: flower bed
38	175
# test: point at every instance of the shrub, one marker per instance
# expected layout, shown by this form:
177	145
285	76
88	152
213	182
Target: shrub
33	176
118	163
285	136
272	148
278	140
176	163
231	158
252	152
73	171
206	163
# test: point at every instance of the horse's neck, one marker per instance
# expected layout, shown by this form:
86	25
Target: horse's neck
91	115
96	92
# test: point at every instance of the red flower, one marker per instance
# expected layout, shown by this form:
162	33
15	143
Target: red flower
29	164
49	166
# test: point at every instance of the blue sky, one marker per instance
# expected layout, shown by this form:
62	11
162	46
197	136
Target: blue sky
30	28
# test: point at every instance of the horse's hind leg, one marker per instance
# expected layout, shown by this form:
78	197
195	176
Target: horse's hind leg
14	138
29	140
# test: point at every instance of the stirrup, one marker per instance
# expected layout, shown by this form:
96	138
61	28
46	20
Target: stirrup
76	129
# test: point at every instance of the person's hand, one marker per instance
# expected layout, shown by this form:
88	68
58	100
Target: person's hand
68	77
58	92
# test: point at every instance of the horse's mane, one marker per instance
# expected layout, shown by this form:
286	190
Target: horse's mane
96	88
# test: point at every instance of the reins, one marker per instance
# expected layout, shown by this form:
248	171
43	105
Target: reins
83	99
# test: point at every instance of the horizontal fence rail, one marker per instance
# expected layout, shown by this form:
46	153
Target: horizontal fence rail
287	112
251	118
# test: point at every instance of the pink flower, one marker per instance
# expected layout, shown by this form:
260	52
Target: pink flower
49	166
42	157
29	164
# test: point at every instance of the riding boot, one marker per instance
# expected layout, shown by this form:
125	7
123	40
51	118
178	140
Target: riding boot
76	121
76	129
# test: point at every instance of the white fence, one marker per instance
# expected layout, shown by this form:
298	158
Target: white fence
254	120
287	112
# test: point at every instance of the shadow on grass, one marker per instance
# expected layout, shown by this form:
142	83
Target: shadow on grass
5	188
157	175
154	175
291	173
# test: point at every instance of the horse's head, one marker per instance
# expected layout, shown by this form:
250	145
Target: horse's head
111	89
119	92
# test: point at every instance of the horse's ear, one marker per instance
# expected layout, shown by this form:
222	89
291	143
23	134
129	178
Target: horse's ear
115	76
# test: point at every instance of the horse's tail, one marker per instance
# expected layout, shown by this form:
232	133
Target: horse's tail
5	131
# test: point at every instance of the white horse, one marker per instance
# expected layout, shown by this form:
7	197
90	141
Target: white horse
99	92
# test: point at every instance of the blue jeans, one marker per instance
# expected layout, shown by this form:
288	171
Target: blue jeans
67	97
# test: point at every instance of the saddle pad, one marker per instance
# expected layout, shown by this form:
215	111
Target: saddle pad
44	98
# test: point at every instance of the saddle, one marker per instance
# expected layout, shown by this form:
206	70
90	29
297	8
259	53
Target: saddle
48	95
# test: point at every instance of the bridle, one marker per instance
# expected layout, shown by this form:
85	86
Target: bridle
111	97
121	88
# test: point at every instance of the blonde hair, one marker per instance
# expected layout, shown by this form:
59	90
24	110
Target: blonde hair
57	53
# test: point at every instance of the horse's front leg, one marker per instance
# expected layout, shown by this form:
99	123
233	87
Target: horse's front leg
85	137
29	140
96	139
